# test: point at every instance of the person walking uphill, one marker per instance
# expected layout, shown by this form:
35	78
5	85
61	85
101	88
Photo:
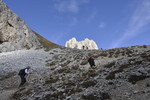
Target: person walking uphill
22	73
91	61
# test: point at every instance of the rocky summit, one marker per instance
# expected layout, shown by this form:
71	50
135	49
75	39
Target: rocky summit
15	35
60	73
86	44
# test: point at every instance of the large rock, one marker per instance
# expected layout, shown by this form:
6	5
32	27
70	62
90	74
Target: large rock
15	35
85	44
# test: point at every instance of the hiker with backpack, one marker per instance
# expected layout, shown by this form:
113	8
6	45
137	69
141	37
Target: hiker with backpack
91	61
22	73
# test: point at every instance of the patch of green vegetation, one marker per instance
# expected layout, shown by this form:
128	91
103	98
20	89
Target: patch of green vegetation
92	96
8	76
51	64
27	93
110	83
21	88
89	83
111	54
65	63
51	81
90	54
48	60
134	78
129	52
84	62
144	46
54	96
90	73
47	97
109	65
105	96
17	95
45	43
75	91
68	91
63	59
55	57
71	91
146	55
117	52
51	53
69	84
77	57
138	62
27	47
103	54
75	67
120	69
131	60
63	70
93	74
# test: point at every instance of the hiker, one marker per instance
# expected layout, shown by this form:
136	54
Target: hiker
22	73
83	47
91	61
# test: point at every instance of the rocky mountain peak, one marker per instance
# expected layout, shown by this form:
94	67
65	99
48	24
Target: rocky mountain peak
64	73
15	34
85	44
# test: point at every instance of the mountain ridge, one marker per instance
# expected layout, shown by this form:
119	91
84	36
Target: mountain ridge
16	35
59	73
64	73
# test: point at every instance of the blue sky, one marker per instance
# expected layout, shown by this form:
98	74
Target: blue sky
110	23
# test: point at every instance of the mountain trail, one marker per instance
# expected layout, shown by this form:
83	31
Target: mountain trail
6	94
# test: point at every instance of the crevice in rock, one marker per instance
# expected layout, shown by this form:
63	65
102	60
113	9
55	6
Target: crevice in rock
1	42
10	24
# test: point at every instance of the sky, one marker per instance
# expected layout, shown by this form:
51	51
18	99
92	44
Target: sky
110	23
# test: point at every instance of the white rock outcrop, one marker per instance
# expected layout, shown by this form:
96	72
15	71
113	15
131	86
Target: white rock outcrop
85	44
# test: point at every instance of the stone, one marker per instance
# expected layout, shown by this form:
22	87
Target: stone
86	44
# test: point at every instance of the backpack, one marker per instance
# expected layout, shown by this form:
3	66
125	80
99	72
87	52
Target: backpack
21	72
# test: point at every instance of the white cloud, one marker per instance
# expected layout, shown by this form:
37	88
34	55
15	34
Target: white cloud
72	6
102	25
138	21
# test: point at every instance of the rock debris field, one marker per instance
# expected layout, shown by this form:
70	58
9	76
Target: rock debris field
64	74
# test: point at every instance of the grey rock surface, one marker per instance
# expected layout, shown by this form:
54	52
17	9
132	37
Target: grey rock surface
64	74
14	33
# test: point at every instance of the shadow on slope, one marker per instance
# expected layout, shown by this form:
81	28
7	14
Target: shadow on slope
45	43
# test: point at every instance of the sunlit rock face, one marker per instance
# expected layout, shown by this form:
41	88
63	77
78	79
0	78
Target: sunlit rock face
14	33
85	44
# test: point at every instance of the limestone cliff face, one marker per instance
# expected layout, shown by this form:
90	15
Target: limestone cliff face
14	33
85	44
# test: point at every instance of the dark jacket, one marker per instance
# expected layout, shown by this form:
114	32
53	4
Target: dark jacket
91	61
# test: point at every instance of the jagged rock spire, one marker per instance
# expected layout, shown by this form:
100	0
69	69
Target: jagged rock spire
85	44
